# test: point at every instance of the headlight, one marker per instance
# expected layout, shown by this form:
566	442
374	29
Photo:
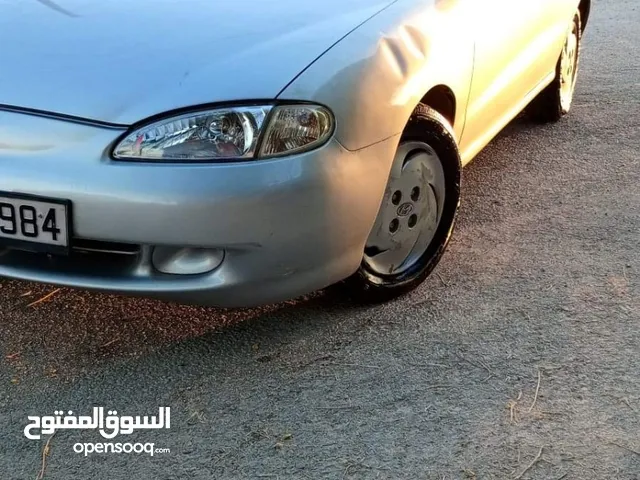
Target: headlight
233	133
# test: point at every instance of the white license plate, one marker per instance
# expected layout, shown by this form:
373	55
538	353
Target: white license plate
34	223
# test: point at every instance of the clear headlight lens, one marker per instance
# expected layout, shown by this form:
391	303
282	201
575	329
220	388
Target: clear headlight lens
229	133
223	133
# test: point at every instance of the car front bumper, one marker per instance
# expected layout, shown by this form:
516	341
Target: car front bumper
286	226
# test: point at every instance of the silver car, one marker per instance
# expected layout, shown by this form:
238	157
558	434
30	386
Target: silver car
239	153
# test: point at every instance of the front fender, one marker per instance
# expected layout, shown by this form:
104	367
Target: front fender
374	78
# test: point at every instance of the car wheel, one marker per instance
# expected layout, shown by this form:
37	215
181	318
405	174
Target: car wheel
417	214
554	102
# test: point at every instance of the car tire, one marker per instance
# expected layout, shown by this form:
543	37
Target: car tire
435	157
554	102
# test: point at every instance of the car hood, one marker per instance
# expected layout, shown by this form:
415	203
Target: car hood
120	62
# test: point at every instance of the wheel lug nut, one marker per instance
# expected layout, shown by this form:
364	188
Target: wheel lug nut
393	226
396	197
415	194
413	219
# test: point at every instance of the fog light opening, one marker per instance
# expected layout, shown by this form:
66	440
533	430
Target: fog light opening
186	260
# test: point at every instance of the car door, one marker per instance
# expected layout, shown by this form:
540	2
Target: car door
511	37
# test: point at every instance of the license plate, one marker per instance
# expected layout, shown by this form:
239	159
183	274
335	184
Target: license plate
34	223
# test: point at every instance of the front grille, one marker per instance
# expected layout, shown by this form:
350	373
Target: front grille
89	258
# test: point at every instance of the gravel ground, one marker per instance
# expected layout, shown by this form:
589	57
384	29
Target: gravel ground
525	341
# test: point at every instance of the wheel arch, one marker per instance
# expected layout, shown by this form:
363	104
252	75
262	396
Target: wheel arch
443	100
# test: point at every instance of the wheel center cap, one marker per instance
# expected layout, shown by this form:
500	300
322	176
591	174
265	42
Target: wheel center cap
405	209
